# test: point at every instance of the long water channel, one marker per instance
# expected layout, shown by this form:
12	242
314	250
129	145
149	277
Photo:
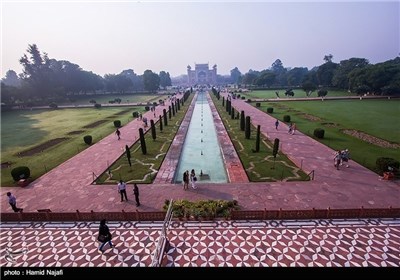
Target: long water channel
201	150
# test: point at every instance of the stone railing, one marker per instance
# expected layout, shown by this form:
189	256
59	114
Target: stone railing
47	215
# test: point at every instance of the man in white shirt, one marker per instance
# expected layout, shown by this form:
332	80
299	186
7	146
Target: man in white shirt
122	190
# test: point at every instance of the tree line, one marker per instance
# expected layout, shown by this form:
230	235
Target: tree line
45	79
355	75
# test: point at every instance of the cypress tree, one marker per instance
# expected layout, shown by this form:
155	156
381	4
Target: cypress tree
161	128
242	121
247	130
142	141
178	102
165	117
232	113
153	130
169	112
223	101
173	109
258	139
128	154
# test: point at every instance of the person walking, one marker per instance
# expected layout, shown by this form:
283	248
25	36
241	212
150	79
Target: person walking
105	236
293	128
136	193
276	124
185	180
12	200
193	179
118	133
122	190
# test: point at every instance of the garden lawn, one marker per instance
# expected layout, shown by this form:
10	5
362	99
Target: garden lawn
261	166
145	167
105	98
22	130
378	118
298	93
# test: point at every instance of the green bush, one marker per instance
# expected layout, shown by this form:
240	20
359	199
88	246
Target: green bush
258	104
20	172
243	97
270	110
202	208
147	108
382	164
319	133
135	114
97	105
88	139
286	118
117	123
53	105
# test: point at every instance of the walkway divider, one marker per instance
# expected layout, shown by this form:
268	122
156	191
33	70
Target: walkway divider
328	213
162	240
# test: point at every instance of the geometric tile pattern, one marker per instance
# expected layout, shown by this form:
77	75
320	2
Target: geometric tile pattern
359	242
337	244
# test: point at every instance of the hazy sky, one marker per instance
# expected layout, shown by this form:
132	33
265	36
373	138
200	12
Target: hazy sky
108	37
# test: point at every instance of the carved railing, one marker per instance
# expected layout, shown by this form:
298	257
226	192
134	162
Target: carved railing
47	215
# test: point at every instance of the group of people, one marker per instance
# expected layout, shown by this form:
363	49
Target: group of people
122	192
341	157
189	178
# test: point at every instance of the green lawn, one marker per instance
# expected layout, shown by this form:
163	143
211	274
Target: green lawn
104	98
22	130
261	166
378	118
298	93
145	167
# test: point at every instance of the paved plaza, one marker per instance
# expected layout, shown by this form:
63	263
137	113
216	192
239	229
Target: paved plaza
306	243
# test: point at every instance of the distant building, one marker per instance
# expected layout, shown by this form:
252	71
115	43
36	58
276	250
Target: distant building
202	74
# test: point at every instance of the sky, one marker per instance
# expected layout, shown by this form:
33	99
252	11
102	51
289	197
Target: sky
108	37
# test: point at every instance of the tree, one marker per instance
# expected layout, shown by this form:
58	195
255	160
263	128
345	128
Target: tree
295	76
11	79
328	58
249	78
153	130
258	139
341	77
128	154
235	75
142	141
36	72
242	121
247	129
275	150
151	81
165	79
308	87
325	73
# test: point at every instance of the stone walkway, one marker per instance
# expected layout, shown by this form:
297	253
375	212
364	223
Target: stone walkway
68	187
309	243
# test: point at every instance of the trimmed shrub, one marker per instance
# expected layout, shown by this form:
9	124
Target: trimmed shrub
147	108
248	100
270	110
258	104
88	139
53	105
97	105
382	164
319	133
20	172
135	114
117	123
286	118
92	101
247	131
243	98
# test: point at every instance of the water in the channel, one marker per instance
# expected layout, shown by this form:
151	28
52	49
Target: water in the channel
201	150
